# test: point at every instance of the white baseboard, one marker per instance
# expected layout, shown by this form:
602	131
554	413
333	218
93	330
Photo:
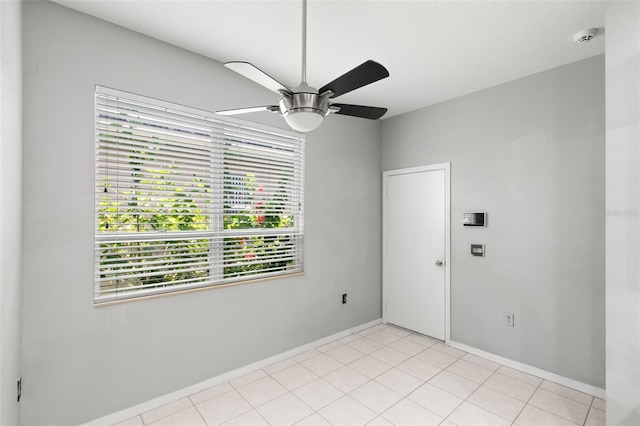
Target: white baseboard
552	377
138	409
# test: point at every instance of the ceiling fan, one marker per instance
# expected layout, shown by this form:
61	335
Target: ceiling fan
304	107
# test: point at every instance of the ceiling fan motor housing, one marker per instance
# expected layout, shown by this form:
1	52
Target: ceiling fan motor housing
304	99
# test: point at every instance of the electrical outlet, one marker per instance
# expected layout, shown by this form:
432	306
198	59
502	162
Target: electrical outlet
19	388
508	319
344	298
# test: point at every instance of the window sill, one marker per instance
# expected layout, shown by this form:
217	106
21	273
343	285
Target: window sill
193	290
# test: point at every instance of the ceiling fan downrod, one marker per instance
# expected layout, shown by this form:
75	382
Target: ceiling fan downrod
304	42
304	108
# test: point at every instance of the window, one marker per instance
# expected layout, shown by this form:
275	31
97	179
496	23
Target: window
185	199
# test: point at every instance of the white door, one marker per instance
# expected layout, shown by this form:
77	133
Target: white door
416	249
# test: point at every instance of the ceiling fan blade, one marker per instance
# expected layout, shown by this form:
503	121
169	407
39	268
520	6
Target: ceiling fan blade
254	73
372	113
272	108
361	75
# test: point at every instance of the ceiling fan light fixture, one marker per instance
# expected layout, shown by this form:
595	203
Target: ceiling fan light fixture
303	121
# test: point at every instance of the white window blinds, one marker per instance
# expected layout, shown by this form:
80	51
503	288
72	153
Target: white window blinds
185	199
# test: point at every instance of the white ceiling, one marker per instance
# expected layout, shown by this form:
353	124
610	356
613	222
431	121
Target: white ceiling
434	50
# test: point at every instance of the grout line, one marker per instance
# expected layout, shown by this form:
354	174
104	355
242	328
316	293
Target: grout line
172	414
589	412
488	411
474	391
169	415
587	416
528	400
200	414
562	396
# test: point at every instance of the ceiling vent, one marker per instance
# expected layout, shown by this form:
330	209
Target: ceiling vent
585	36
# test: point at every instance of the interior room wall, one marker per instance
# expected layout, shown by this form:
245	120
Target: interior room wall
530	153
82	362
623	212
10	208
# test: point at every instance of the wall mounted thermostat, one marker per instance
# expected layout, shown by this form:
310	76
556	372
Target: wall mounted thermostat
474	219
477	250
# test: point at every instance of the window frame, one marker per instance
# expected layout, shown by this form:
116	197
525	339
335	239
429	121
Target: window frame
226	136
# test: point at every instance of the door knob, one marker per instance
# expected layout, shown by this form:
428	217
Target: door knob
439	263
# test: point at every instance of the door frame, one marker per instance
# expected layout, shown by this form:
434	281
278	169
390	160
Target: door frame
446	167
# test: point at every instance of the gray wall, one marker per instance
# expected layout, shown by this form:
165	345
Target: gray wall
82	362
530	153
10	208
623	213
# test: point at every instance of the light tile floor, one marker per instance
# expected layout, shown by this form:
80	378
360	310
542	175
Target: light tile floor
383	375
